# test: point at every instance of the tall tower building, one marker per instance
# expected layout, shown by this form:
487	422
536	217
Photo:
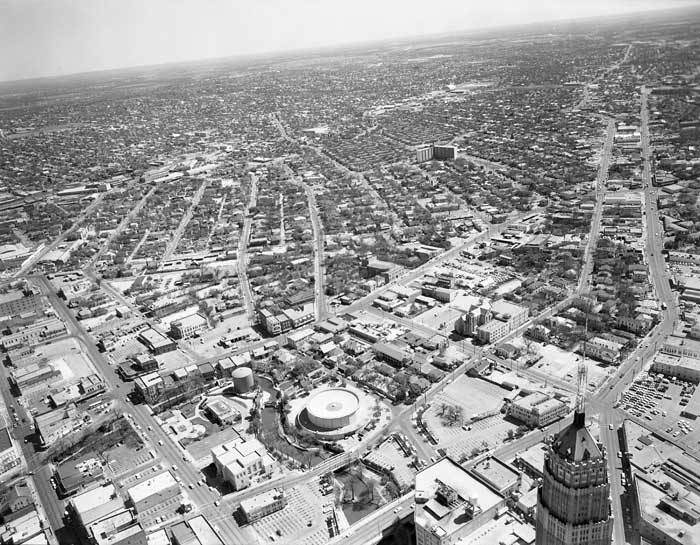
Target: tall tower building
573	502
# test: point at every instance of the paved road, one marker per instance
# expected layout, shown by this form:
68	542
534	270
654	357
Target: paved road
242	261
34	259
177	235
370	529
170	453
122	225
587	267
320	279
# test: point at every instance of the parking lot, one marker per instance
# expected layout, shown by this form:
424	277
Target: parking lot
656	400
481	427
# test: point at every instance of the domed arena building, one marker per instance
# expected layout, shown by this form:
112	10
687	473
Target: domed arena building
332	413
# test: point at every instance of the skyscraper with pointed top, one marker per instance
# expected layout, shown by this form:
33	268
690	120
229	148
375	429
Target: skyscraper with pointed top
573	501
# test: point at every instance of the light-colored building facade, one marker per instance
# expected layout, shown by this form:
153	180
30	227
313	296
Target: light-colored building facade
601	349
154	491
188	326
239	461
681	367
264	504
538	409
573	502
451	504
507	317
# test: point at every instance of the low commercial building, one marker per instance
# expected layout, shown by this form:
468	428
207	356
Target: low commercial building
154	491
385	269
538	409
391	353
156	342
507	317
96	504
451	504
263	504
16	302
222	412
681	367
10	457
75	475
601	349
287	319
36	333
188	326
150	387
196	531
665	518
682	346
238	461
54	425
118	529
500	477
34	376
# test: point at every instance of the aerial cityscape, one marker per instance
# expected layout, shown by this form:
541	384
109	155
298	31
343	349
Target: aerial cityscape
431	291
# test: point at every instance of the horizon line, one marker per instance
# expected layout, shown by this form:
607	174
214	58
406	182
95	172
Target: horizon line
295	52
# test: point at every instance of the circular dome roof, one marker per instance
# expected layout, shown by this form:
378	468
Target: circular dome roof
333	404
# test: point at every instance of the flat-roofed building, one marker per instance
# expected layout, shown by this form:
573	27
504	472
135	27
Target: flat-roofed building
531	460
188	326
34	376
77	474
506	318
154	491
16	302
538	409
387	270
96	504
395	355
499	476
38	332
117	529
10	456
681	367
203	531
601	349
263	504
682	346
664	518
451	503
238	461
156	342
222	412
54	425
150	387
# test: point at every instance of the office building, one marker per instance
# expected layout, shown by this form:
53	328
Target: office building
188	326
154	491
537	409
451	504
573	503
260	506
239	461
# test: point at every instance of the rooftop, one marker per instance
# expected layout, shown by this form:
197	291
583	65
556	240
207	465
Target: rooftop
154	485
441	518
499	474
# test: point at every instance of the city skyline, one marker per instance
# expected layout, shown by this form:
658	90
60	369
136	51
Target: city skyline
49	39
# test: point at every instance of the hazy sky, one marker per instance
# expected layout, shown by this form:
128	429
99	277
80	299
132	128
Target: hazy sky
51	37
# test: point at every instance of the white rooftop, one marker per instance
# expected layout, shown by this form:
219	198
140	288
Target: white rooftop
154	485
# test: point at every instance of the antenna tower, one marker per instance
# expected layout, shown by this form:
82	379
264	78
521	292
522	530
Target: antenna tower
582	378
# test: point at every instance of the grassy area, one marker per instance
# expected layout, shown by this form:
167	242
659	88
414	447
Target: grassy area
107	436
